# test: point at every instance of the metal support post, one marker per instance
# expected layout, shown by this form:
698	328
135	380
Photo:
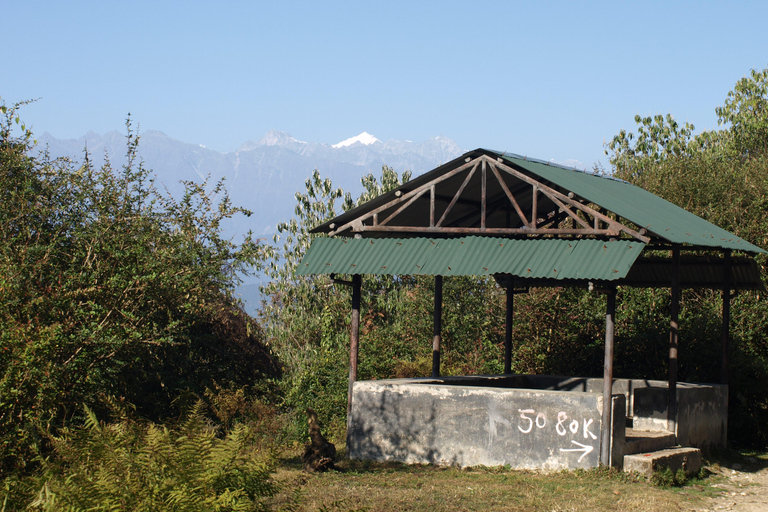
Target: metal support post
509	319
606	431
437	326
725	333
354	339
674	339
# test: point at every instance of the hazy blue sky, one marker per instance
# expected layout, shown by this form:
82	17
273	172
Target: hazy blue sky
552	80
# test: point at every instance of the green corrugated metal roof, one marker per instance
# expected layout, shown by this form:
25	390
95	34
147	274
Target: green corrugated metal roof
637	205
544	259
666	221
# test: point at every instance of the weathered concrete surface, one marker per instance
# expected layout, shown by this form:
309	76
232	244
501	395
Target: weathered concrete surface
674	458
415	421
541	422
702	408
702	418
643	441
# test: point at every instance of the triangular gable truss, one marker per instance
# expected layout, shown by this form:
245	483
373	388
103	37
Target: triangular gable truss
518	203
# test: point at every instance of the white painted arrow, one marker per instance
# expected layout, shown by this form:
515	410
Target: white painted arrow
583	448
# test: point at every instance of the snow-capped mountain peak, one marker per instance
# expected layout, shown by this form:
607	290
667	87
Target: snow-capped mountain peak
364	138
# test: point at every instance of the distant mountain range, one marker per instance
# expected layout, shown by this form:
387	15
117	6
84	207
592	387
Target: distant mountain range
263	175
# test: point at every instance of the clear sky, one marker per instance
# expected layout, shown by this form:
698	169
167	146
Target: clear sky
551	80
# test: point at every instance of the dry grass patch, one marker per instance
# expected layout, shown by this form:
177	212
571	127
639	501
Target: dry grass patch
392	486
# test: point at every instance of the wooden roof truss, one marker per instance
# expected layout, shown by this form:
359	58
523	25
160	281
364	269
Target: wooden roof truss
485	196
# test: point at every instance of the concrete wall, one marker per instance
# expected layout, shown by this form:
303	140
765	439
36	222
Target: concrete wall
524	421
461	423
702	408
702	412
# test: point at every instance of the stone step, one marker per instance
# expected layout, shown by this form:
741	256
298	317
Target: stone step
674	458
644	441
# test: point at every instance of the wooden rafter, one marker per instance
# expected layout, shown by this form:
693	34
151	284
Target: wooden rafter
355	223
552	194
511	197
483	197
404	206
456	197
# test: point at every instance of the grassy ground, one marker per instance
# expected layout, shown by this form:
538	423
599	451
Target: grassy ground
392	486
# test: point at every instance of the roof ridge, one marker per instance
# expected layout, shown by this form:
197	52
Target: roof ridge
508	154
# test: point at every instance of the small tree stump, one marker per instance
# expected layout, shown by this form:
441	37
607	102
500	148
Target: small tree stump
319	454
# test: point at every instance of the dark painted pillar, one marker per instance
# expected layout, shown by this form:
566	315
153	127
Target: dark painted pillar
607	423
437	330
509	319
725	333
354	339
674	339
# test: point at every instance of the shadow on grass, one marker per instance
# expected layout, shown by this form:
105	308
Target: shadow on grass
292	461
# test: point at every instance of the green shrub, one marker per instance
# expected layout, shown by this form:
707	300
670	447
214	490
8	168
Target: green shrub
108	287
665	477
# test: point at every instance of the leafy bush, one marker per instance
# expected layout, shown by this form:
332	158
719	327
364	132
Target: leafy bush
110	288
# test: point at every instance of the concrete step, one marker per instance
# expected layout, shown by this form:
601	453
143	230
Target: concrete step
644	441
674	458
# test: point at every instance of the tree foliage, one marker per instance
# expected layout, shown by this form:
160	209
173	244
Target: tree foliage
110	288
746	111
658	138
305	316
661	139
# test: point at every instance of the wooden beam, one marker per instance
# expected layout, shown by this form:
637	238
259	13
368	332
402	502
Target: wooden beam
612	227
432	206
554	218
571	214
551	192
471	230
403	207
461	221
483	196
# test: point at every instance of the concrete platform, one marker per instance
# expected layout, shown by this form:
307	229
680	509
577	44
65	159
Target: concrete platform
532	422
674	458
644	441
425	423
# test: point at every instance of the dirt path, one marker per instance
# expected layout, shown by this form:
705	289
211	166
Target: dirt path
744	487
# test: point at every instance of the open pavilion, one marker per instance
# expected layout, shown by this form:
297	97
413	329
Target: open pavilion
532	223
